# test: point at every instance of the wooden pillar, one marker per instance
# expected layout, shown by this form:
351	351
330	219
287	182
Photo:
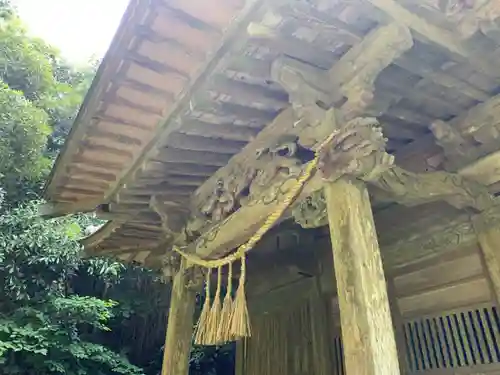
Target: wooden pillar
398	324
239	361
367	330
489	241
180	326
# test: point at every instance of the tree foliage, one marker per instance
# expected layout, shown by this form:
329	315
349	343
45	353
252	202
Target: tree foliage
40	94
25	62
45	328
61	313
23	136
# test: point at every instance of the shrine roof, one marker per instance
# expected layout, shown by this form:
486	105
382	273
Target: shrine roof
186	87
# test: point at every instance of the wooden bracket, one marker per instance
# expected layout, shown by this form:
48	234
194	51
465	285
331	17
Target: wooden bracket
173	220
358	69
311	90
407	188
305	84
410	189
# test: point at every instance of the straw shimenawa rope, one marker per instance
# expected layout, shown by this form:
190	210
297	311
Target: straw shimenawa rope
217	324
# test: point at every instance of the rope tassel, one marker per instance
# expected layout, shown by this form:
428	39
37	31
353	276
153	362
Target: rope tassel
224	329
213	319
240	322
201	328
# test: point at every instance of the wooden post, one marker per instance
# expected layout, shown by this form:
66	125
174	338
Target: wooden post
180	326
398	323
239	362
489	241
367	330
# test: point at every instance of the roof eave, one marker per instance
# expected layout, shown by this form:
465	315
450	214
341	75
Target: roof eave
90	103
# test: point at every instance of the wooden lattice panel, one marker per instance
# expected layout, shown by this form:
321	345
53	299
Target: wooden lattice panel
467	341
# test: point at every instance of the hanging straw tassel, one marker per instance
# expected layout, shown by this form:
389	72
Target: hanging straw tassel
224	330
201	328
240	322
215	312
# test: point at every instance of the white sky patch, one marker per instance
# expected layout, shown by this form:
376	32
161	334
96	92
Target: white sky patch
80	29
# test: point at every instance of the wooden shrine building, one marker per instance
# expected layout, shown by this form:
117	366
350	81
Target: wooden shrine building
206	114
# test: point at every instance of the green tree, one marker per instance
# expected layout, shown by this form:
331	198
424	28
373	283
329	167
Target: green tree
60	313
6	9
45	328
53	91
23	137
25	62
62	108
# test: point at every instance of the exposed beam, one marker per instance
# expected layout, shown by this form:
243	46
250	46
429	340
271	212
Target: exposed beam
251	66
471	135
51	210
163	168
249	92
261	68
441	78
300	50
478	117
167	125
134	13
105	231
174	155
204	144
485	170
411	189
399	184
238	111
481	17
165	189
357	71
87	172
172	179
241	225
435	237
440	36
218	130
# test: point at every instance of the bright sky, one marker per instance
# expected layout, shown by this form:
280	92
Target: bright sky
79	28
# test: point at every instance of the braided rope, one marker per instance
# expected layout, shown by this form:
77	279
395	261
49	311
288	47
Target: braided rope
290	197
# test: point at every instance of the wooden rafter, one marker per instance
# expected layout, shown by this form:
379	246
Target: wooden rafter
357	83
246	84
369	63
440	36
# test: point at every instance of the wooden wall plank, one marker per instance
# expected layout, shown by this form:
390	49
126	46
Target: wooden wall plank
441	273
466	293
